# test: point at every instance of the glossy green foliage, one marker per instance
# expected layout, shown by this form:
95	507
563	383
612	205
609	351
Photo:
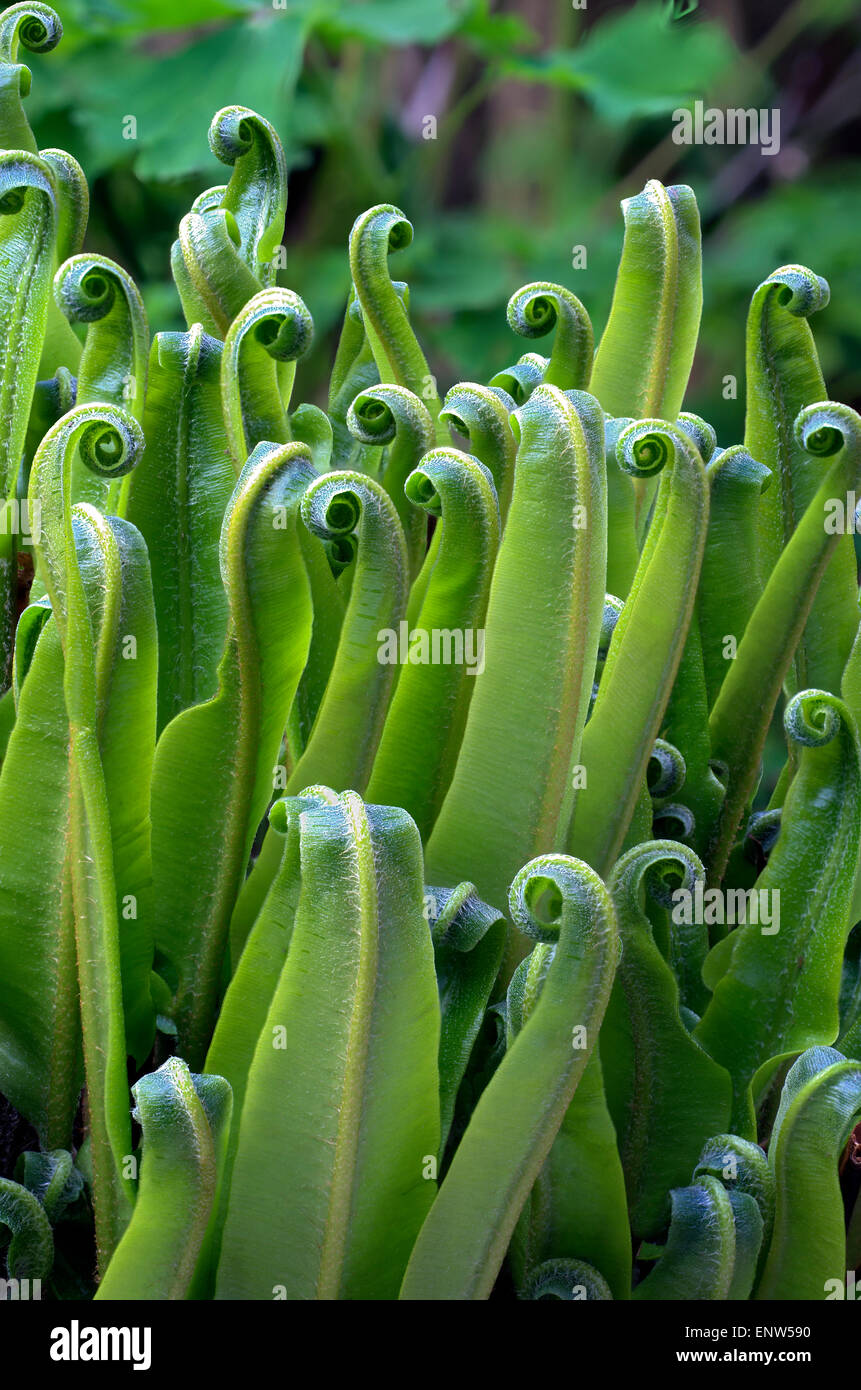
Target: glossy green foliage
665	1093
820	1106
511	1132
513	788
185	459
183	1120
215	762
294	696
790	966
342	1092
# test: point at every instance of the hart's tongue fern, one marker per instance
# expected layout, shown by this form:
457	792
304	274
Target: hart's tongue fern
383	782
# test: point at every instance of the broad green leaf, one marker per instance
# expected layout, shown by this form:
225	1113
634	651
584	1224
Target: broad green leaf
110	442
257	369
750	690
513	787
665	1094
341	1106
177	498
421	738
463	1241
632	63
647	642
819	1107
184	1119
783	378
215	761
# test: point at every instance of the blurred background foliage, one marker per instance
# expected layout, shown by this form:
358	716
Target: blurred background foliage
547	113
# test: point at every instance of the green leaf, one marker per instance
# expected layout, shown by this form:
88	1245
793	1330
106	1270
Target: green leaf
177	498
631	63
468	941
341	1105
647	642
513	786
421	738
463	1241
214	762
113	366
750	690
392	22
255	62
184	1119
110	442
819	1107
666	1095
780	987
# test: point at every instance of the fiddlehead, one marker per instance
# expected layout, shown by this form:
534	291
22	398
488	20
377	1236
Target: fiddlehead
224	253
30	1254
256	196
265	341
343	742
665	1095
421	737
617	743
483	418
538	309
522	379
741	714
566	1280
518	1114
665	773
790	948
399	358
39	29
113	367
393	417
